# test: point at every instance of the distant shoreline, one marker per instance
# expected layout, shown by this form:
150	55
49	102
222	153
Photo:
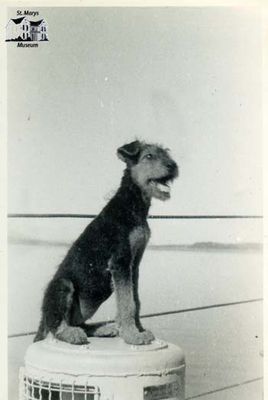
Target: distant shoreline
206	246
198	246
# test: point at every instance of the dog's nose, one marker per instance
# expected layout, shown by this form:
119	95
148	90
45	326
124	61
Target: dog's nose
171	165
173	168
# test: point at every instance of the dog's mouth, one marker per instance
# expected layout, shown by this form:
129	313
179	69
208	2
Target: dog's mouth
161	187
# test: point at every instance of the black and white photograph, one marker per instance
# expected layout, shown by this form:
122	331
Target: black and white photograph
134	202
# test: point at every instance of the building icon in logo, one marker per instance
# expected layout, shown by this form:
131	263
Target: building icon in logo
23	30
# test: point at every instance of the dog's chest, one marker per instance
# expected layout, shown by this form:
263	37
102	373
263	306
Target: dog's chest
138	238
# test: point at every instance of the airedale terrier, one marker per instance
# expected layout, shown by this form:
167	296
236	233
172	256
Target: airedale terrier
107	255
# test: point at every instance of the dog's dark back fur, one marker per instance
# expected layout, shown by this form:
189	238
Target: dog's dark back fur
95	246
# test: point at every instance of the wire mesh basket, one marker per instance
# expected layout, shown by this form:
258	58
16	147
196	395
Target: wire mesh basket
36	388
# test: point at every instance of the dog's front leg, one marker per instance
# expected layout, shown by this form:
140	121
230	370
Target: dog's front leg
121	269
135	279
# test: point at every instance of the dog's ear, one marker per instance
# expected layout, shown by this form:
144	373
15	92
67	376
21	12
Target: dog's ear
129	152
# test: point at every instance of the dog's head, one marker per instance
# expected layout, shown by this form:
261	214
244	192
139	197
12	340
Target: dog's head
151	167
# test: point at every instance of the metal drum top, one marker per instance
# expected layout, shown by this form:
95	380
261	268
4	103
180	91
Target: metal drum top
104	357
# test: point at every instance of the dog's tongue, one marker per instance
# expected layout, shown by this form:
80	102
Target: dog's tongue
163	188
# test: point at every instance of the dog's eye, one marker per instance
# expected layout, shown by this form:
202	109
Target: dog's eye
149	156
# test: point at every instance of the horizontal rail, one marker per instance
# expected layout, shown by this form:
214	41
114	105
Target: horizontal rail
160	314
234	303
18	215
235	385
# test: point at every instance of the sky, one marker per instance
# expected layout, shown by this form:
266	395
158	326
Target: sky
189	78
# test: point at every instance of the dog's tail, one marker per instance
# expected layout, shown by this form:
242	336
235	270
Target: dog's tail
42	332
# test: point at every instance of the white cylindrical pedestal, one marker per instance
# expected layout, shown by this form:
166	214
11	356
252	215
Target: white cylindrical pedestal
105	369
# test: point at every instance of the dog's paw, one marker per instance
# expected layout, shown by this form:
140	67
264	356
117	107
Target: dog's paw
73	335
108	330
133	336
148	335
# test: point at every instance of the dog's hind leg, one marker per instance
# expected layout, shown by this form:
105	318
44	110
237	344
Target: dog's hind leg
41	332
57	308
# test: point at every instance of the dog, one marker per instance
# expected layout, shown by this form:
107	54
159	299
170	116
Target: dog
106	256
